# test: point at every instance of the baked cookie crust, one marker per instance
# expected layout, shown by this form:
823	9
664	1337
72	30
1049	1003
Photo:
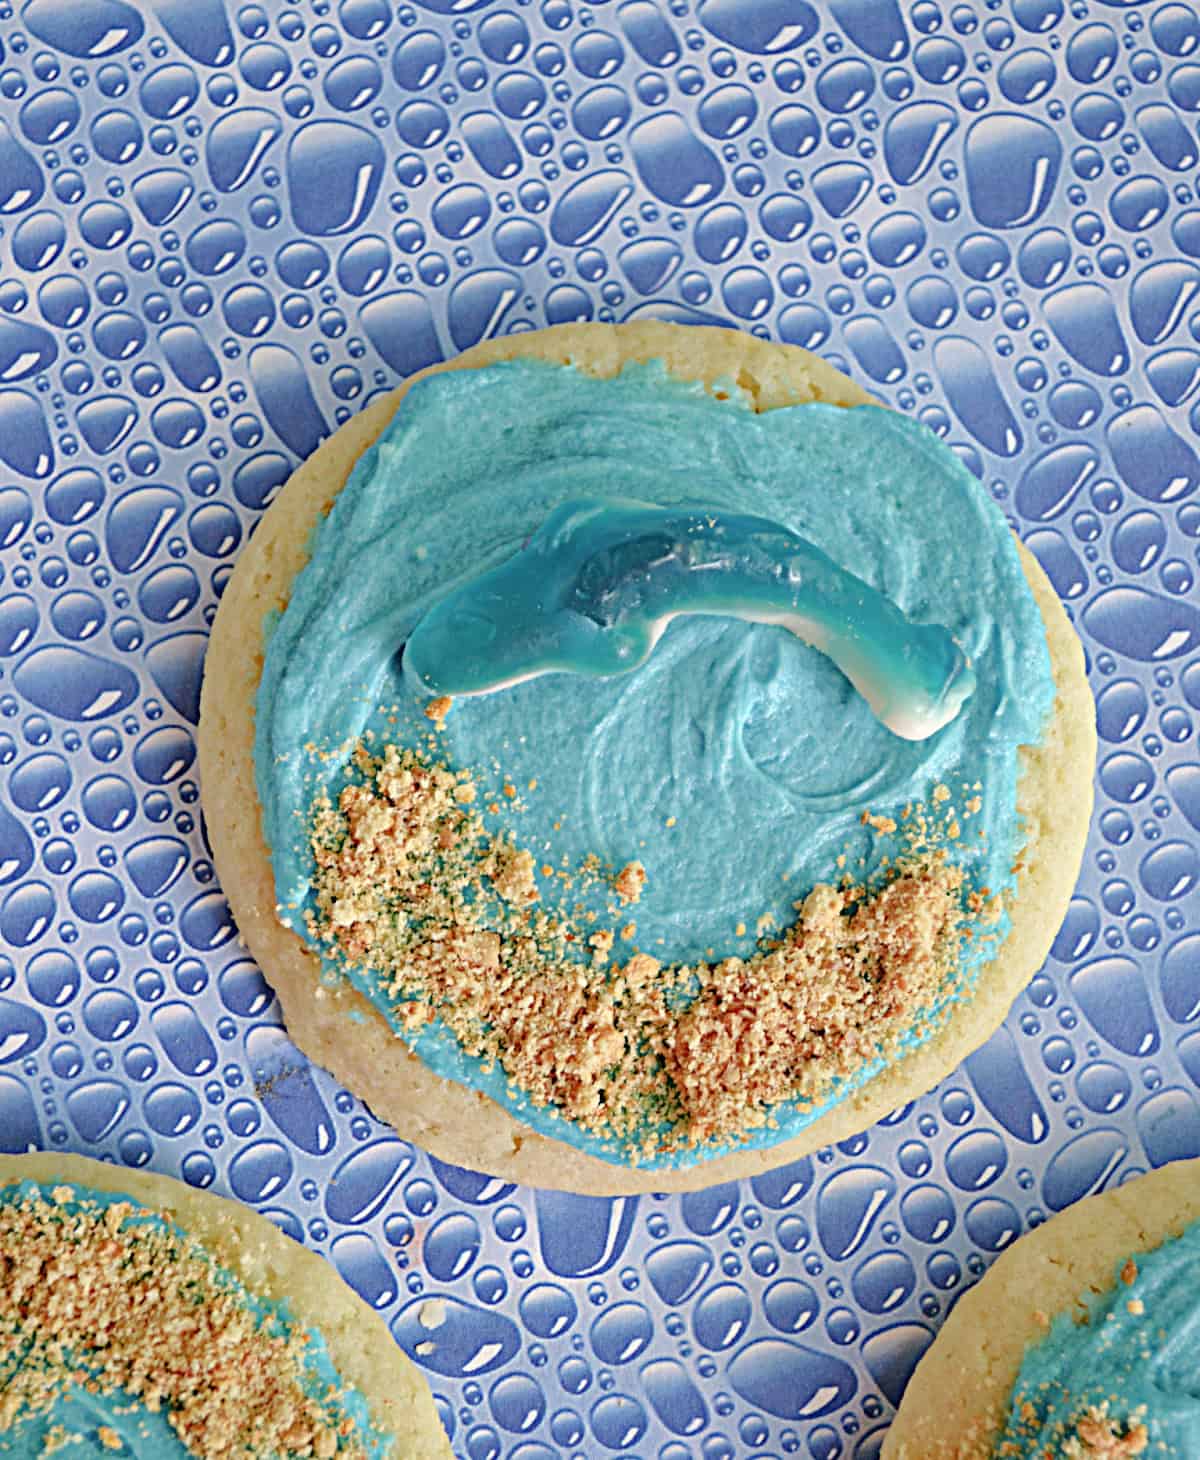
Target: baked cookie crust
341	1030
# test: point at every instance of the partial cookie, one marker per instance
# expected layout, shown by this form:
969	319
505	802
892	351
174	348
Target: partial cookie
340	1029
180	1309
958	1400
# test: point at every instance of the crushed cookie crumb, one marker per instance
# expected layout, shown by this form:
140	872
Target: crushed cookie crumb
1136	1307
513	876
107	1296
629	882
1100	1437
411	885
601	944
437	710
1129	1272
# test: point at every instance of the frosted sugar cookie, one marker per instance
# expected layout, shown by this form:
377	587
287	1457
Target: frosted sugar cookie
141	1317
1080	1342
743	832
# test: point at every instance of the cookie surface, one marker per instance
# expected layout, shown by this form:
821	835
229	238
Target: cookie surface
956	1402
276	1269
460	1125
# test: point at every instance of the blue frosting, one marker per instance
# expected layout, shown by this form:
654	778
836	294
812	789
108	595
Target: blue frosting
736	761
144	1434
148	1435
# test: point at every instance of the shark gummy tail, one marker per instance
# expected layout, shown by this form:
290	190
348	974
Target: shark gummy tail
594	588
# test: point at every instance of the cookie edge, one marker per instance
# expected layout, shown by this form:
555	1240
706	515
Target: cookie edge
462	1126
957	1399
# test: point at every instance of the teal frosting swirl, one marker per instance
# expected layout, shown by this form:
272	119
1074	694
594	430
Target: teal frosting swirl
736	761
1142	1364
148	1434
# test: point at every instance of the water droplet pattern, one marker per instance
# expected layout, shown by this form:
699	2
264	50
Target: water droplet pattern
223	229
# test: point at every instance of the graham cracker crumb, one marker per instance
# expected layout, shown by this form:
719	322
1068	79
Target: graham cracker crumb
411	885
109	1438
629	882
437	709
1129	1272
513	876
885	825
1136	1307
1100	1437
601	944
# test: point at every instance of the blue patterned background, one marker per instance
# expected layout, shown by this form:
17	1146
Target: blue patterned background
223	228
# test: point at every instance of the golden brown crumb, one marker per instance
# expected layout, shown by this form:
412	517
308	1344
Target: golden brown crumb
513	877
885	825
407	884
96	1295
629	882
1129	1272
1100	1437
437	710
1136	1307
601	944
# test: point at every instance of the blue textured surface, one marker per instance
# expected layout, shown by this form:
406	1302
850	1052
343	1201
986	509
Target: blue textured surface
223	228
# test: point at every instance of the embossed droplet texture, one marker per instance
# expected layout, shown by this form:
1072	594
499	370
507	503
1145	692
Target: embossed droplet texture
226	228
1012	164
